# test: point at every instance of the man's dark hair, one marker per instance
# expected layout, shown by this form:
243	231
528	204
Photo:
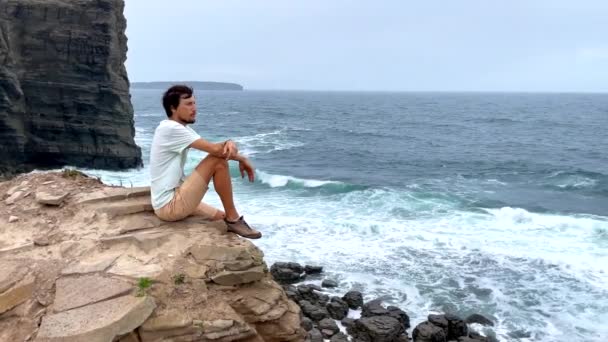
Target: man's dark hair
173	95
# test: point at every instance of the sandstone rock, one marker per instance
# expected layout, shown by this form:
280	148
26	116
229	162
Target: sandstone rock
239	277
48	198
17	294
65	92
12	272
13	198
74	292
96	264
12	219
41	240
100	322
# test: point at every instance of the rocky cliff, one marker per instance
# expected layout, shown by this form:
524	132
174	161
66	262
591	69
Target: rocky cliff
81	261
64	91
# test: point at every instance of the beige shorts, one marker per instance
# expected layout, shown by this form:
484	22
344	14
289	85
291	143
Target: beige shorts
186	201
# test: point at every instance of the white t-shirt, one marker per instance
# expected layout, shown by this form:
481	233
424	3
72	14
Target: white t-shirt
167	158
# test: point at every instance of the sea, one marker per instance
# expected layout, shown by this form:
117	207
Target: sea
489	203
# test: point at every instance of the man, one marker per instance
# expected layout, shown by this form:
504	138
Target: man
175	196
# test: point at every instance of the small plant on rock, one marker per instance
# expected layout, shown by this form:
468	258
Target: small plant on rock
178	279
70	173
143	284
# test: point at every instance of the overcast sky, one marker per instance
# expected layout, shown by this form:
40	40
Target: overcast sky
486	45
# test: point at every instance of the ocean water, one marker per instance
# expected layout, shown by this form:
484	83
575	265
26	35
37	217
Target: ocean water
437	202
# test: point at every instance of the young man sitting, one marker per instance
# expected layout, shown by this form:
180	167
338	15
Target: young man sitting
175	196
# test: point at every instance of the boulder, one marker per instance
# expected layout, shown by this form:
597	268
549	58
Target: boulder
354	299
480	319
377	328
286	272
337	308
428	332
313	269
329	283
329	326
314	312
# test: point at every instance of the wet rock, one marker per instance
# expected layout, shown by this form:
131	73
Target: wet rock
315	335
477	318
329	283
475	337
377	329
292	293
354	299
440	321
457	327
313	269
374	308
400	315
519	334
328	324
314	312
286	272
323	299
337	308
347	322
307	292
428	332
339	337
306	323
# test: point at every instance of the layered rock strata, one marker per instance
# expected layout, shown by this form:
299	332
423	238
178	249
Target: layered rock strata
95	264
64	91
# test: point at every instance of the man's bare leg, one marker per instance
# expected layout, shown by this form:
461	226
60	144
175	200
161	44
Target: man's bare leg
215	168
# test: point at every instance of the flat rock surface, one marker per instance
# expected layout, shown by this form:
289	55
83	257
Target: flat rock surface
73	292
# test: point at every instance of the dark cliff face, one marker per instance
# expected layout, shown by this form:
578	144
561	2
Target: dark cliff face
64	91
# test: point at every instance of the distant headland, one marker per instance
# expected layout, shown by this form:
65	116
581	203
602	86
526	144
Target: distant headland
195	84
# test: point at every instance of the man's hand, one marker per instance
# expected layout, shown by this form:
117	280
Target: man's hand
230	150
246	166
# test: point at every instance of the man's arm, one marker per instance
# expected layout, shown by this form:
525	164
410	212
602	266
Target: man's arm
214	149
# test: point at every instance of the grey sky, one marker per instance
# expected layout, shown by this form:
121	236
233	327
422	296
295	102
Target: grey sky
515	45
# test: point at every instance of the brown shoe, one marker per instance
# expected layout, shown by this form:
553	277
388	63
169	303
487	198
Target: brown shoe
241	228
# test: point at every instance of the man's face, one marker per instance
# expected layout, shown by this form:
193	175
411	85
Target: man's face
185	113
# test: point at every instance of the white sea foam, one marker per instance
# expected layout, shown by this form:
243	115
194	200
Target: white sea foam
262	143
275	181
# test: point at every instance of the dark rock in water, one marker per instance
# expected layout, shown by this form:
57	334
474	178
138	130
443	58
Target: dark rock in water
314	312
286	272
328	327
428	332
377	329
329	283
374	308
292	293
475	337
440	321
308	293
323	299
457	327
467	339
354	299
315	335
519	334
477	318
306	323
64	90
337	308
347	322
339	337
400	315
313	269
